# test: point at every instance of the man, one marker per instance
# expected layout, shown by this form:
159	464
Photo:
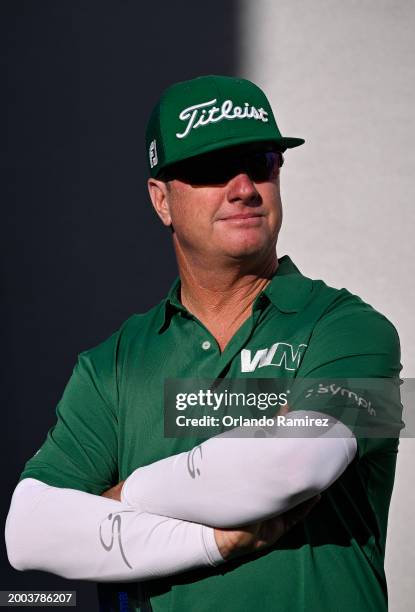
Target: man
272	520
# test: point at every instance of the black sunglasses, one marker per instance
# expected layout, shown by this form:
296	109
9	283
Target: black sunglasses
215	169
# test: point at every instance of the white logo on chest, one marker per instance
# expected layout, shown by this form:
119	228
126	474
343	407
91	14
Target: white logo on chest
279	355
200	114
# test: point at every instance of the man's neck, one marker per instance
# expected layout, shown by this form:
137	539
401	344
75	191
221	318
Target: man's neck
222	299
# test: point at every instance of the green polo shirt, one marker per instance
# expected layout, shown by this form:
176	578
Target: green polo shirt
110	422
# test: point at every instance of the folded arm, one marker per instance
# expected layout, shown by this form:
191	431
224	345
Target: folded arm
82	536
163	524
230	480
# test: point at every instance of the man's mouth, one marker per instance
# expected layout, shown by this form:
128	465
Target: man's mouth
242	216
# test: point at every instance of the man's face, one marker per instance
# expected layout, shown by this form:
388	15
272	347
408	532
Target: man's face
236	218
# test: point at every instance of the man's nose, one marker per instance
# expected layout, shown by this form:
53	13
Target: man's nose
241	189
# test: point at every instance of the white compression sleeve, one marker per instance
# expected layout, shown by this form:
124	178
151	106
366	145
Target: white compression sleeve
82	536
230	480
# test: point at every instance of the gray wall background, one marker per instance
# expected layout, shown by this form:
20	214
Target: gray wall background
342	75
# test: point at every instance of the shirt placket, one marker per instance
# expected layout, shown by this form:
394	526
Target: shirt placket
211	363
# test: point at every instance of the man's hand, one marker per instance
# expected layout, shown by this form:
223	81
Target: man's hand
114	492
255	537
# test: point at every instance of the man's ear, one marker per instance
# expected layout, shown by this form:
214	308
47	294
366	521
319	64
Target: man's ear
158	192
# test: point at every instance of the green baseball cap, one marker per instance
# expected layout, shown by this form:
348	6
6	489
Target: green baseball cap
207	114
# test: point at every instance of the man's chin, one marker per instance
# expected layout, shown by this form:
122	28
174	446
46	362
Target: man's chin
245	252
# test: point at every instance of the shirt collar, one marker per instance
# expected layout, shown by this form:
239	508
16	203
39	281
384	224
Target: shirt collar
171	305
288	290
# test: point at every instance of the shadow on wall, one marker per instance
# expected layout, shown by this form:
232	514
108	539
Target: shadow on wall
83	247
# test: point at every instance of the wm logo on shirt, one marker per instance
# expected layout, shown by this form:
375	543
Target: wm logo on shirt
279	355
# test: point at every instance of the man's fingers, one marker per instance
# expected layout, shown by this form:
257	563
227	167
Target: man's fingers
114	492
272	529
297	514
283	410
257	536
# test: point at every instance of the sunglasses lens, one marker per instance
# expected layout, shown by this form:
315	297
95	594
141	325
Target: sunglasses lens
216	169
261	166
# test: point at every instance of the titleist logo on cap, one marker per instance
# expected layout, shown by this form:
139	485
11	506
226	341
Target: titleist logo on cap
200	115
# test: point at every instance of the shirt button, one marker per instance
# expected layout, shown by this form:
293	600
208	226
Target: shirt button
206	345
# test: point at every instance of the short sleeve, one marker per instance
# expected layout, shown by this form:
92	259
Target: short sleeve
351	371
80	450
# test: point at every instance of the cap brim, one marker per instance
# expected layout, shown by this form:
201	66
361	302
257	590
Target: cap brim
290	143
280	144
